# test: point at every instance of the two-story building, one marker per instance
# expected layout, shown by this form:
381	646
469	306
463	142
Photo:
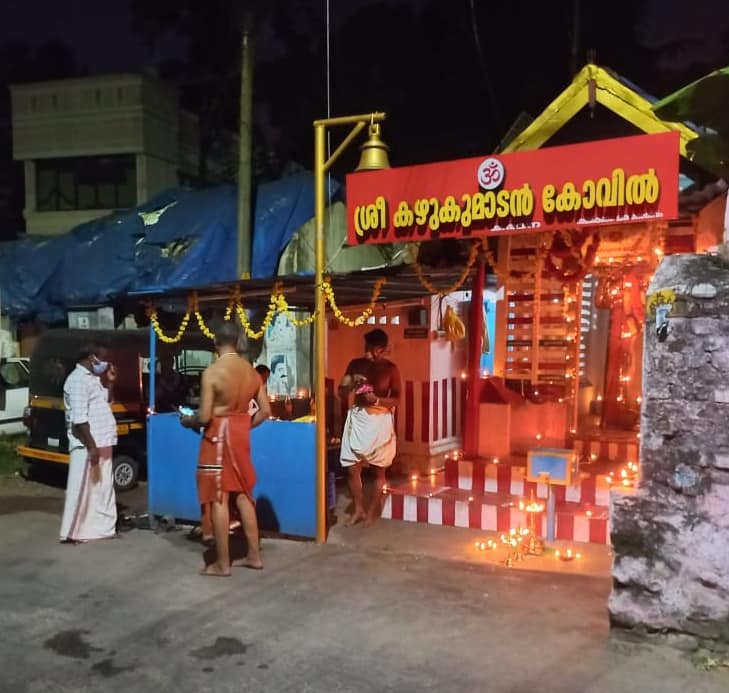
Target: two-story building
93	145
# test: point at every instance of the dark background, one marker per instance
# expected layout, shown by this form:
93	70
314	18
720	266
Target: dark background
452	75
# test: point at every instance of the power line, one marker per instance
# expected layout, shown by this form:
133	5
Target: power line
482	63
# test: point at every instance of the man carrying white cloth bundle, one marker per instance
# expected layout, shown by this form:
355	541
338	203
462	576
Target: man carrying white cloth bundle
372	385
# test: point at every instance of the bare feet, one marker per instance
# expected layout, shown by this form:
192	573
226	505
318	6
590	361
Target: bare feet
214	570
354	519
252	563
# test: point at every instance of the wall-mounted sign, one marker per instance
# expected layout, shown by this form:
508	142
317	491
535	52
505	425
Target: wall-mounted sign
416	332
623	180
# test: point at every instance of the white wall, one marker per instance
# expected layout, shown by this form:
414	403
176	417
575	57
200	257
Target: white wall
429	367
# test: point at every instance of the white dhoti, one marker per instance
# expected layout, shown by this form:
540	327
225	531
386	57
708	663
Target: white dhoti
89	511
368	437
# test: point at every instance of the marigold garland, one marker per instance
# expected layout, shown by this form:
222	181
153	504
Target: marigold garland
277	304
582	252
162	336
326	287
283	307
203	327
267	320
472	255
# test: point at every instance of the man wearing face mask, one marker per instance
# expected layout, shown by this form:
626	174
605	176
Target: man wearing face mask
90	508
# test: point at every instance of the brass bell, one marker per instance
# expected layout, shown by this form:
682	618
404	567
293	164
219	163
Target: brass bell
374	152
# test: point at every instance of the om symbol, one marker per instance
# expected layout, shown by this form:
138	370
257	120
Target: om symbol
490	174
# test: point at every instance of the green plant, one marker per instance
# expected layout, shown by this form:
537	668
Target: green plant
10	461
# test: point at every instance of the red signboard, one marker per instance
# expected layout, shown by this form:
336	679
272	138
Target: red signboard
625	180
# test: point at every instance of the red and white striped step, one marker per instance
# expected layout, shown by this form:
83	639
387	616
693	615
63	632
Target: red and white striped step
509	477
623	448
432	501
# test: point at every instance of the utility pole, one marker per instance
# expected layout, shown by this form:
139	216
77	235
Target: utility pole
575	48
245	146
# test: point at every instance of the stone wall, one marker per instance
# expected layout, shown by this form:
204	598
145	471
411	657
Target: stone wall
671	539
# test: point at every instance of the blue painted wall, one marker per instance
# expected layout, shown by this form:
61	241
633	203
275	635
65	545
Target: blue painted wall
283	454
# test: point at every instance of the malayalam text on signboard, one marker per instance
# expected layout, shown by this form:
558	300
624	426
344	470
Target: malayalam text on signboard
623	180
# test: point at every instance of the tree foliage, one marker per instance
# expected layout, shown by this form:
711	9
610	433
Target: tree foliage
452	76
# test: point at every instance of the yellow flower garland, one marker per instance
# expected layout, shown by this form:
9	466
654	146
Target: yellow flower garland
472	255
162	336
257	334
283	307
277	304
326	287
203	327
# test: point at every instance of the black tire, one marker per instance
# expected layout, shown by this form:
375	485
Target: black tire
126	472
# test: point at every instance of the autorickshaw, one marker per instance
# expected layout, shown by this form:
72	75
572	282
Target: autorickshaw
55	356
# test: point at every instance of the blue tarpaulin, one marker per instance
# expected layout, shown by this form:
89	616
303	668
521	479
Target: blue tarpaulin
181	238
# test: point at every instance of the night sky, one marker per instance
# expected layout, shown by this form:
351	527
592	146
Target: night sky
99	32
443	99
86	25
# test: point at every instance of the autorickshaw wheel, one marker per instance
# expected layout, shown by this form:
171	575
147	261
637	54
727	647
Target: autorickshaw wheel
126	472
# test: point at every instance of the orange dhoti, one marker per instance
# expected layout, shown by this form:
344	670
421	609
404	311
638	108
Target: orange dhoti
224	463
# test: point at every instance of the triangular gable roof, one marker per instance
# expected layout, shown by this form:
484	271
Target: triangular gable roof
614	93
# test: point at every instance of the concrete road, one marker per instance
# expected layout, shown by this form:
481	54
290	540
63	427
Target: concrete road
133	615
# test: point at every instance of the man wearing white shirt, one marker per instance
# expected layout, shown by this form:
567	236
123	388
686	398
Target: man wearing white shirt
90	507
